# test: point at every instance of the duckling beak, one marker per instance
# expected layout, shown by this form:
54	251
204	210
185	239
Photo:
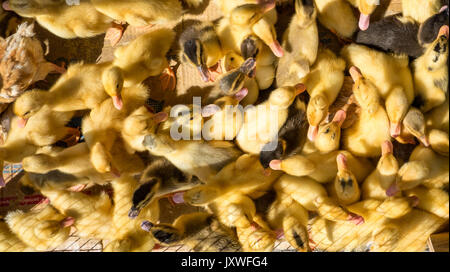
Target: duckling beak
204	73
424	140
392	190
312	132
277	49
22	122
387	148
299	88
341	160
67	222
6	6
275	164
117	101
364	21
395	130
147	226
444	8
178	198
133	213
355	73
339	117
443	31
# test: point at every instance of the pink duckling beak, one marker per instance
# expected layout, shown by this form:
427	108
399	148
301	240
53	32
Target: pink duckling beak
178	198
277	49
395	130
117	101
299	88
443	31
5	5
387	148
392	190
339	117
312	132
424	140
204	73
275	164
22	122
69	221
364	21
355	73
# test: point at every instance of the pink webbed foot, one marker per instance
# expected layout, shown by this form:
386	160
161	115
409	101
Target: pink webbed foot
114	34
168	79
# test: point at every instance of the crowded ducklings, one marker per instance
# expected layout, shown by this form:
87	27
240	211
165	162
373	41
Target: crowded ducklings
292	158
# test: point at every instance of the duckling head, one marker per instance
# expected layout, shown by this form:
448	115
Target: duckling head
165	234
410	175
112	80
306	12
250	47
387	166
366	8
329	135
346	185
102	161
285	96
194	53
143	195
233	81
249	14
365	91
231	61
29	8
39	163
28	104
437	52
414	123
316	111
51	229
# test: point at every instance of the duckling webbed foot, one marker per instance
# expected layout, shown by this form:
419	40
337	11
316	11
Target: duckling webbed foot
114	34
215	71
168	79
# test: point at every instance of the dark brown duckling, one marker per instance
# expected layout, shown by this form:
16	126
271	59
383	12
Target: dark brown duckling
233	81
292	135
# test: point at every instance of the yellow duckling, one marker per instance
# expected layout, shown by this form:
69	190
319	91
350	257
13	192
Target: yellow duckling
254	135
432	200
431	72
257	238
200	231
366	8
439	141
424	167
245	176
313	197
288	215
234	210
337	16
141	14
129	236
225	117
79	88
376	184
414	126
390	74
42	230
396	207
299	57
200	47
345	185
92	213
199	158
63	20
323	84
322	167
44	128
145	57
420	10
361	139
9	242
329	135
104	123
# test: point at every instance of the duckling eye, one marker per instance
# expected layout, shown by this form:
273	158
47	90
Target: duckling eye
26	113
327	130
192	118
